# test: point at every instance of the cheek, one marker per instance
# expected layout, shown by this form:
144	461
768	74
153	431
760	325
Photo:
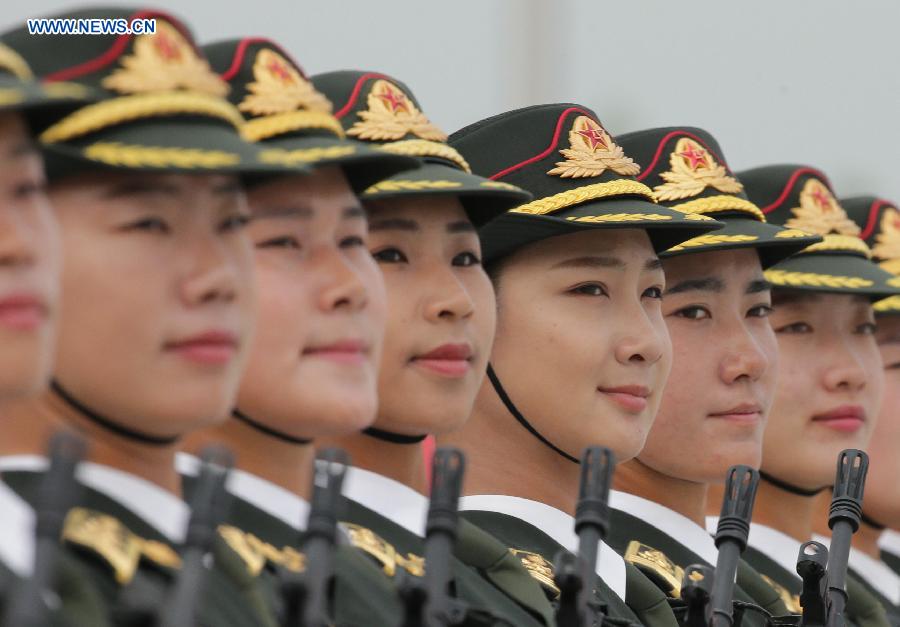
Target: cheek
284	313
485	306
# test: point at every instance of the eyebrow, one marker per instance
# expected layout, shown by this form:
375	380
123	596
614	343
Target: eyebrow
406	224
757	286
25	148
705	284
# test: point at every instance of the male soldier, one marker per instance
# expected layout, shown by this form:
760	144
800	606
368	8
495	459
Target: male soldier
158	302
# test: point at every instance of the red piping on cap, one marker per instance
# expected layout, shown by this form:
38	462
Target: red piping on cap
790	184
877	204
553	143
114	51
355	93
241	51
664	140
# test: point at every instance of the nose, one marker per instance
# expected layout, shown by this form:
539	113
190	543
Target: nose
343	287
845	371
744	358
17	239
641	341
213	275
447	298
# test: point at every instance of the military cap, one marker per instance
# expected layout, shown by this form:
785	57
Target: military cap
879	220
687	171
39	103
161	107
580	178
293	120
801	197
377	108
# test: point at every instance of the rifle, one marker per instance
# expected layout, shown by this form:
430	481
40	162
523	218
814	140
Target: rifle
59	492
209	507
811	565
576	576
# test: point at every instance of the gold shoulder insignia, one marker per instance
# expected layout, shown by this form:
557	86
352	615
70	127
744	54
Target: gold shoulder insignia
887	244
255	552
591	152
384	553
820	213
279	88
391	115
164	61
791	601
539	568
657	566
693	169
106	537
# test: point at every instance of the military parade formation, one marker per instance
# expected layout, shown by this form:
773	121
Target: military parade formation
239	302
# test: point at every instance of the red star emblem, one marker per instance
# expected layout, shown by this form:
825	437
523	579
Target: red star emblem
696	157
594	136
395	99
278	68
823	199
166	48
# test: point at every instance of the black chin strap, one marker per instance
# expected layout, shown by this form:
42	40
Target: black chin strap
393	438
874	524
789	487
504	397
278	435
107	423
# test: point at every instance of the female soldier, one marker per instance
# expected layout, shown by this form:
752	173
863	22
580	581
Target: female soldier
159	303
716	307
440	325
313	362
582	352
831	378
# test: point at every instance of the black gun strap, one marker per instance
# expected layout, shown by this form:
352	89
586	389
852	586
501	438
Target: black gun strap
278	435
510	406
107	423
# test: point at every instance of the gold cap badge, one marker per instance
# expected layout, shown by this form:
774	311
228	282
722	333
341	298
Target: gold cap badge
820	213
887	244
391	115
279	88
693	169
591	152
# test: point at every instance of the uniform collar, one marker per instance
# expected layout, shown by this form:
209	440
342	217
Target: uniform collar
262	494
555	523
890	541
874	572
16	532
679	528
389	498
774	544
160	509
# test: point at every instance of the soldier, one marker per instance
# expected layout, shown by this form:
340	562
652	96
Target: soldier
582	353
159	303
830	380
440	323
313	363
716	306
30	264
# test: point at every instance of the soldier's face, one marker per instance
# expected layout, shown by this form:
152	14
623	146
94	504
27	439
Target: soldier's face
830	385
158	297
314	365
29	264
882	488
723	377
441	314
581	347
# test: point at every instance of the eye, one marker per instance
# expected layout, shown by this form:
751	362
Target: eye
653	292
693	312
29	189
149	224
235	223
760	311
466	259
352	241
867	328
389	255
795	327
590	289
285	241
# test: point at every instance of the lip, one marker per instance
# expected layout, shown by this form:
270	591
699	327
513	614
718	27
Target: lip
349	351
631	398
210	347
846	418
744	413
22	311
451	360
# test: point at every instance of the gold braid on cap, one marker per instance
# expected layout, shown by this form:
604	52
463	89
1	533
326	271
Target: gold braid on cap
117	154
12	62
426	148
888	304
276	124
785	278
712	240
396	185
139	106
839	243
718	204
281	156
556	202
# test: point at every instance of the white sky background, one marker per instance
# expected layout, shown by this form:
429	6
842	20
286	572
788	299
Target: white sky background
776	81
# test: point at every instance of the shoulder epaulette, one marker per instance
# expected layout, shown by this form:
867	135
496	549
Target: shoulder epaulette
384	553
539	568
791	601
656	566
256	553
